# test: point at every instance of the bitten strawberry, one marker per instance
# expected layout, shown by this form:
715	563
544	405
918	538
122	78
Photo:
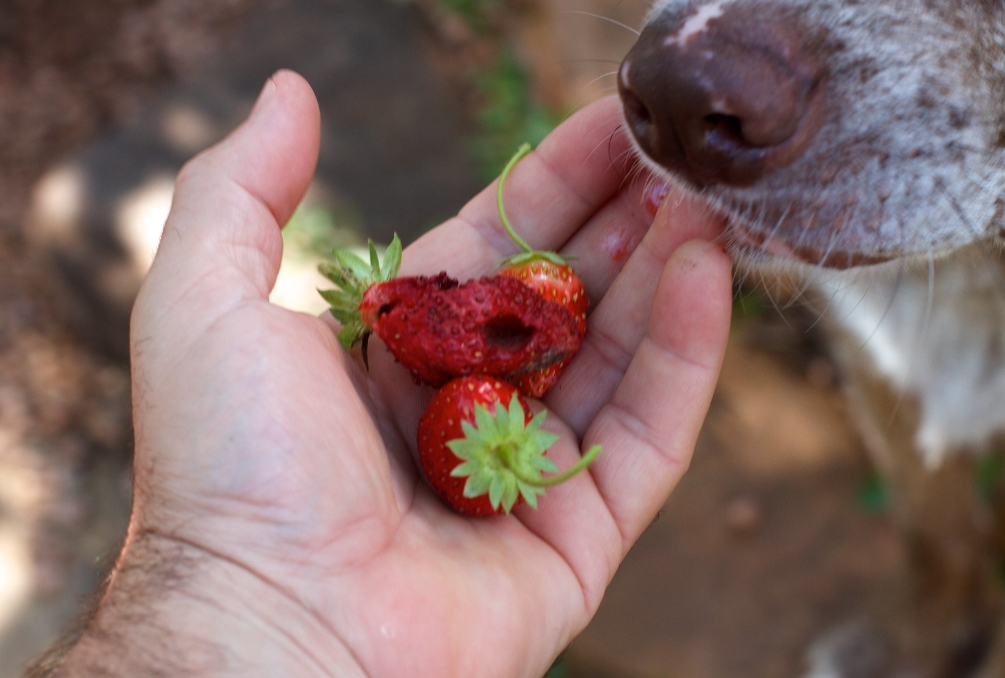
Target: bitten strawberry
483	456
550	275
439	329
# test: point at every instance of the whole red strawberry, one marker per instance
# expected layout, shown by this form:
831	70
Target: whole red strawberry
481	450
550	275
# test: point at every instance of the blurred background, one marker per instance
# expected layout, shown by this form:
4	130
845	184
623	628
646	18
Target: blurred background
776	535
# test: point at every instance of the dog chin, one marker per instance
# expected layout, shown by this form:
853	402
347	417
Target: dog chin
772	252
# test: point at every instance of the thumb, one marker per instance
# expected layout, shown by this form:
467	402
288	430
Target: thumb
221	244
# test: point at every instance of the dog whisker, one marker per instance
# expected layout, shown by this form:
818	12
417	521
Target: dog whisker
633	31
921	337
986	258
894	289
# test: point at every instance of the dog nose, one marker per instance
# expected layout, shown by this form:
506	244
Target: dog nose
722	96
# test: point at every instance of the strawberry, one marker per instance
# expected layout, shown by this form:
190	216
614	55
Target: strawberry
469	431
550	275
439	329
354	277
547	274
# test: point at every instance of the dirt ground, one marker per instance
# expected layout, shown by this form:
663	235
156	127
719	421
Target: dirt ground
769	542
766	544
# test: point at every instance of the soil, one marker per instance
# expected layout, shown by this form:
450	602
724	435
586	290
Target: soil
764	546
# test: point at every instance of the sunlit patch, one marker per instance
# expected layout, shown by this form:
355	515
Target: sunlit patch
21	495
297	285
15	574
187	129
140	217
322	224
57	204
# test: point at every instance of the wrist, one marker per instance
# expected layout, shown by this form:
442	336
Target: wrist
172	608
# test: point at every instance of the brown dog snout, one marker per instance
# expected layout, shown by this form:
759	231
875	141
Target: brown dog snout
723	96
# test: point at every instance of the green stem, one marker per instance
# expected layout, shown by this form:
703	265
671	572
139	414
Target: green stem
583	462
522	151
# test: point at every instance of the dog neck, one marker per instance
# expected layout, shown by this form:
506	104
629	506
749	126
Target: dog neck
934	334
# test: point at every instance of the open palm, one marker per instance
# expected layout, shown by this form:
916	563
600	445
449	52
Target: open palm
264	446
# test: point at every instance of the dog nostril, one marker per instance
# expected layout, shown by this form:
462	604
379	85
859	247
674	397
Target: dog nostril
635	107
638	117
724	130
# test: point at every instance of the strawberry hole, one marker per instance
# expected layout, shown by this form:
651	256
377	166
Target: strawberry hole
507	332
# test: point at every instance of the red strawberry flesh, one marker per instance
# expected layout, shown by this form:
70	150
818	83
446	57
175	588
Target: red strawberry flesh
556	282
439	329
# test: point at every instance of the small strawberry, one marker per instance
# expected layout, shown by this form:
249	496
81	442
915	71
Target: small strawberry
439	329
550	275
468	431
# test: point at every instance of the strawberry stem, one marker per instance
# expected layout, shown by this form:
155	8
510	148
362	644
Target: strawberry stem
354	277
557	479
521	243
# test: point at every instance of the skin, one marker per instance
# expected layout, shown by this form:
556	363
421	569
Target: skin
279	525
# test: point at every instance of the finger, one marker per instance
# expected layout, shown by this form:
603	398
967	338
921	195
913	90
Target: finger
621	319
573	519
602	249
222	244
548	196
650	427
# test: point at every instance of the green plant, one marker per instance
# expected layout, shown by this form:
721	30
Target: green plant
558	670
749	304
873	496
507	111
988	473
319	230
509	114
479	15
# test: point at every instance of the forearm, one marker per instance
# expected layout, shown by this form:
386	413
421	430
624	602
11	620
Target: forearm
170	609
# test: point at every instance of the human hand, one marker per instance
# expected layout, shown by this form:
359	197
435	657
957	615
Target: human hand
280	526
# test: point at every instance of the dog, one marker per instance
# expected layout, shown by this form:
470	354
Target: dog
859	147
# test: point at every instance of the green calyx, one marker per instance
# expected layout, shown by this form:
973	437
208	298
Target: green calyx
527	253
354	277
503	456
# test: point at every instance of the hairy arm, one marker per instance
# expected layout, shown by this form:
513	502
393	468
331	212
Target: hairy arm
170	608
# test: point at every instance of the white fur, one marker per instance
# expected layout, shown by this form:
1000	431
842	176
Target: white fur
937	335
696	24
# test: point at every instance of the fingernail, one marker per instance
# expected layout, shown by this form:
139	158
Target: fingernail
264	98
